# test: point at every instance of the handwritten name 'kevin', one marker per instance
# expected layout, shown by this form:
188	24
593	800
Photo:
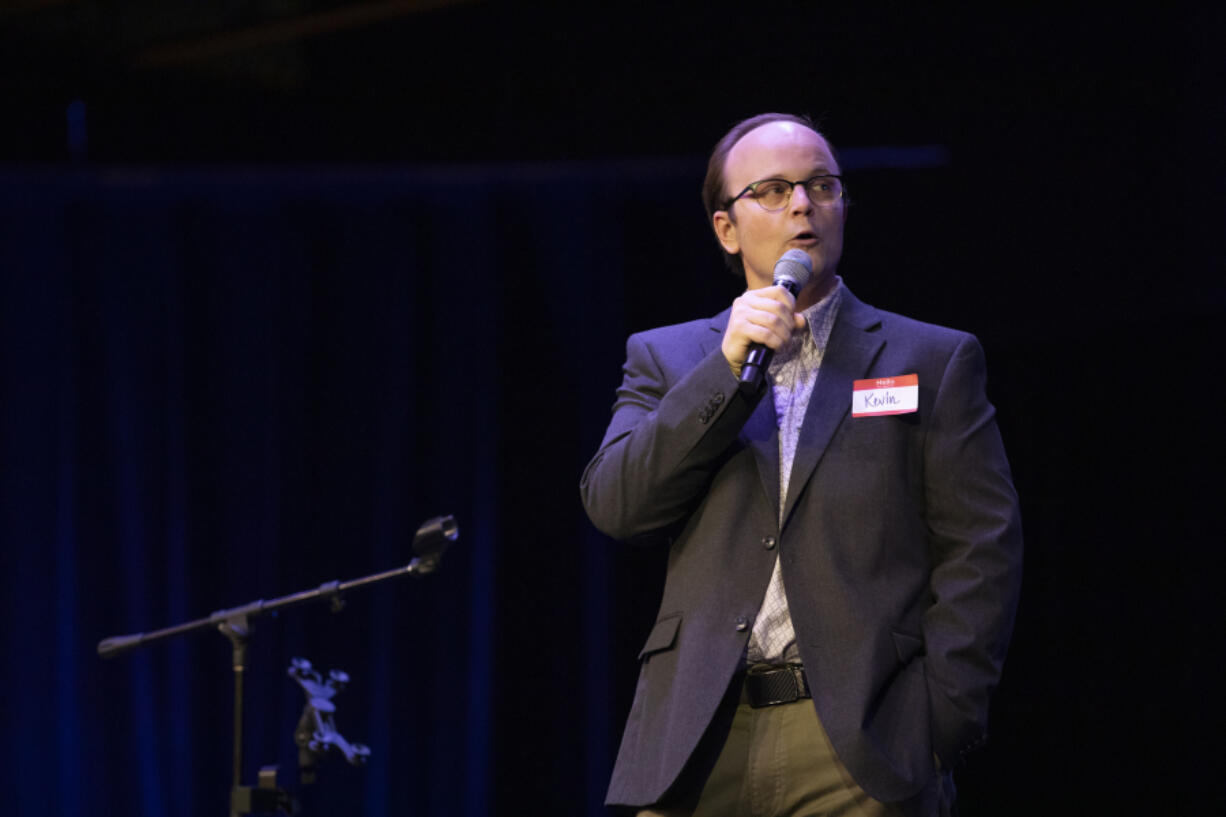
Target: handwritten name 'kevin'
880	399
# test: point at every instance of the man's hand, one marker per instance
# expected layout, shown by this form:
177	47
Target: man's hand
759	316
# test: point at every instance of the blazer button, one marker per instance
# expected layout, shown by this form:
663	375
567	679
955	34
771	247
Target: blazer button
742	624
768	542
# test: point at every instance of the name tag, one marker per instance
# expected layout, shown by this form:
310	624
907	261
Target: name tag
885	395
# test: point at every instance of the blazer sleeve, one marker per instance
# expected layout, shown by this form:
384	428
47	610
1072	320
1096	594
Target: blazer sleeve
976	555
673	422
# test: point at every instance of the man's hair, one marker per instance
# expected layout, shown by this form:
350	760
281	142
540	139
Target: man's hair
713	193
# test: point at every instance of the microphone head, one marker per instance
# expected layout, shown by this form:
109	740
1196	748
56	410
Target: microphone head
793	270
435	536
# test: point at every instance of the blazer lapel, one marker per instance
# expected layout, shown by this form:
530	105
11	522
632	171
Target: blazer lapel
761	435
853	345
761	432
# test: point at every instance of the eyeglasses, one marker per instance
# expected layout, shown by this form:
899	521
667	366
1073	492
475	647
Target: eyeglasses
775	194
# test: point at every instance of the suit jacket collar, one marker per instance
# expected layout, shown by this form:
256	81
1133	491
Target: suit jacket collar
854	343
760	433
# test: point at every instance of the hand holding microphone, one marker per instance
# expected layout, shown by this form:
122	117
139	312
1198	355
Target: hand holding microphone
762	320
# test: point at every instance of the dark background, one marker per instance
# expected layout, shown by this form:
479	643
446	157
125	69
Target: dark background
280	280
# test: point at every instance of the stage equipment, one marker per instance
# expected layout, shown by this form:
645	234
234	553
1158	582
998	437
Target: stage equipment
430	543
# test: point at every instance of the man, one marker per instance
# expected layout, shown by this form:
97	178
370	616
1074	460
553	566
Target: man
844	557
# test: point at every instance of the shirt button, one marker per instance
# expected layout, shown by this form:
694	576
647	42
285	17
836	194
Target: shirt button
768	542
742	624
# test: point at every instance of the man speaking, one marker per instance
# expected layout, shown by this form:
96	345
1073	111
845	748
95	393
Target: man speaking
844	539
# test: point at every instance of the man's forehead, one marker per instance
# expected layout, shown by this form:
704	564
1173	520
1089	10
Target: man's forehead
779	143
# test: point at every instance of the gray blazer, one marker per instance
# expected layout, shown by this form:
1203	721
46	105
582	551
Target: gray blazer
901	545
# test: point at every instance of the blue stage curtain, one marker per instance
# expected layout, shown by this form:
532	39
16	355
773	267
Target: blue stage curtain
219	386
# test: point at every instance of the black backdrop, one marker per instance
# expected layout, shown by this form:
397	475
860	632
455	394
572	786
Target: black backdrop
224	377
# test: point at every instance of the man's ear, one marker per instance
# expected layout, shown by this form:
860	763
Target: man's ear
725	232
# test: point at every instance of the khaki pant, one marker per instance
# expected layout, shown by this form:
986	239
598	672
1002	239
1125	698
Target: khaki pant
778	762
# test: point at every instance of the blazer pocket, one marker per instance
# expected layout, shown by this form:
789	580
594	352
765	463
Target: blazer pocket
907	646
663	635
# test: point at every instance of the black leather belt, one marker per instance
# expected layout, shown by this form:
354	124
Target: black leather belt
771	685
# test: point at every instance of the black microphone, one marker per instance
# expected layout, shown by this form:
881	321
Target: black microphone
432	540
792	272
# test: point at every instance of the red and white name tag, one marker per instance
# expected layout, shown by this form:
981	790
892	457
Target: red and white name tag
885	395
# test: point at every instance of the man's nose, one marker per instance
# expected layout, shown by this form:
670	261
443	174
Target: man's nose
800	199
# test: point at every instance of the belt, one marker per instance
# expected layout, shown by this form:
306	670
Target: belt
770	685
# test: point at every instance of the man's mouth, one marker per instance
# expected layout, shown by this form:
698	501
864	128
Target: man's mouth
805	237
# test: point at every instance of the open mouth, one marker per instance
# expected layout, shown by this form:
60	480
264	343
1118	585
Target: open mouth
805	238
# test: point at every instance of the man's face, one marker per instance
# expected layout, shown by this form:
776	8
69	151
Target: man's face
781	150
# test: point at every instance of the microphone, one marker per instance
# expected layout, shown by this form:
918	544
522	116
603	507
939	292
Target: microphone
432	540
792	272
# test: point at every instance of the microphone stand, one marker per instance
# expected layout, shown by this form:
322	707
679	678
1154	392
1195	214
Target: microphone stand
430	542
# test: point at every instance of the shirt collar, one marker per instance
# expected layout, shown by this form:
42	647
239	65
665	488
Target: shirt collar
820	317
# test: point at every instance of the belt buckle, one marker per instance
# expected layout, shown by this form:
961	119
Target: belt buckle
780	685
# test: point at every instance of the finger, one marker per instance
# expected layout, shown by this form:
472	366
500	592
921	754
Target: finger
765	327
775	300
775	293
